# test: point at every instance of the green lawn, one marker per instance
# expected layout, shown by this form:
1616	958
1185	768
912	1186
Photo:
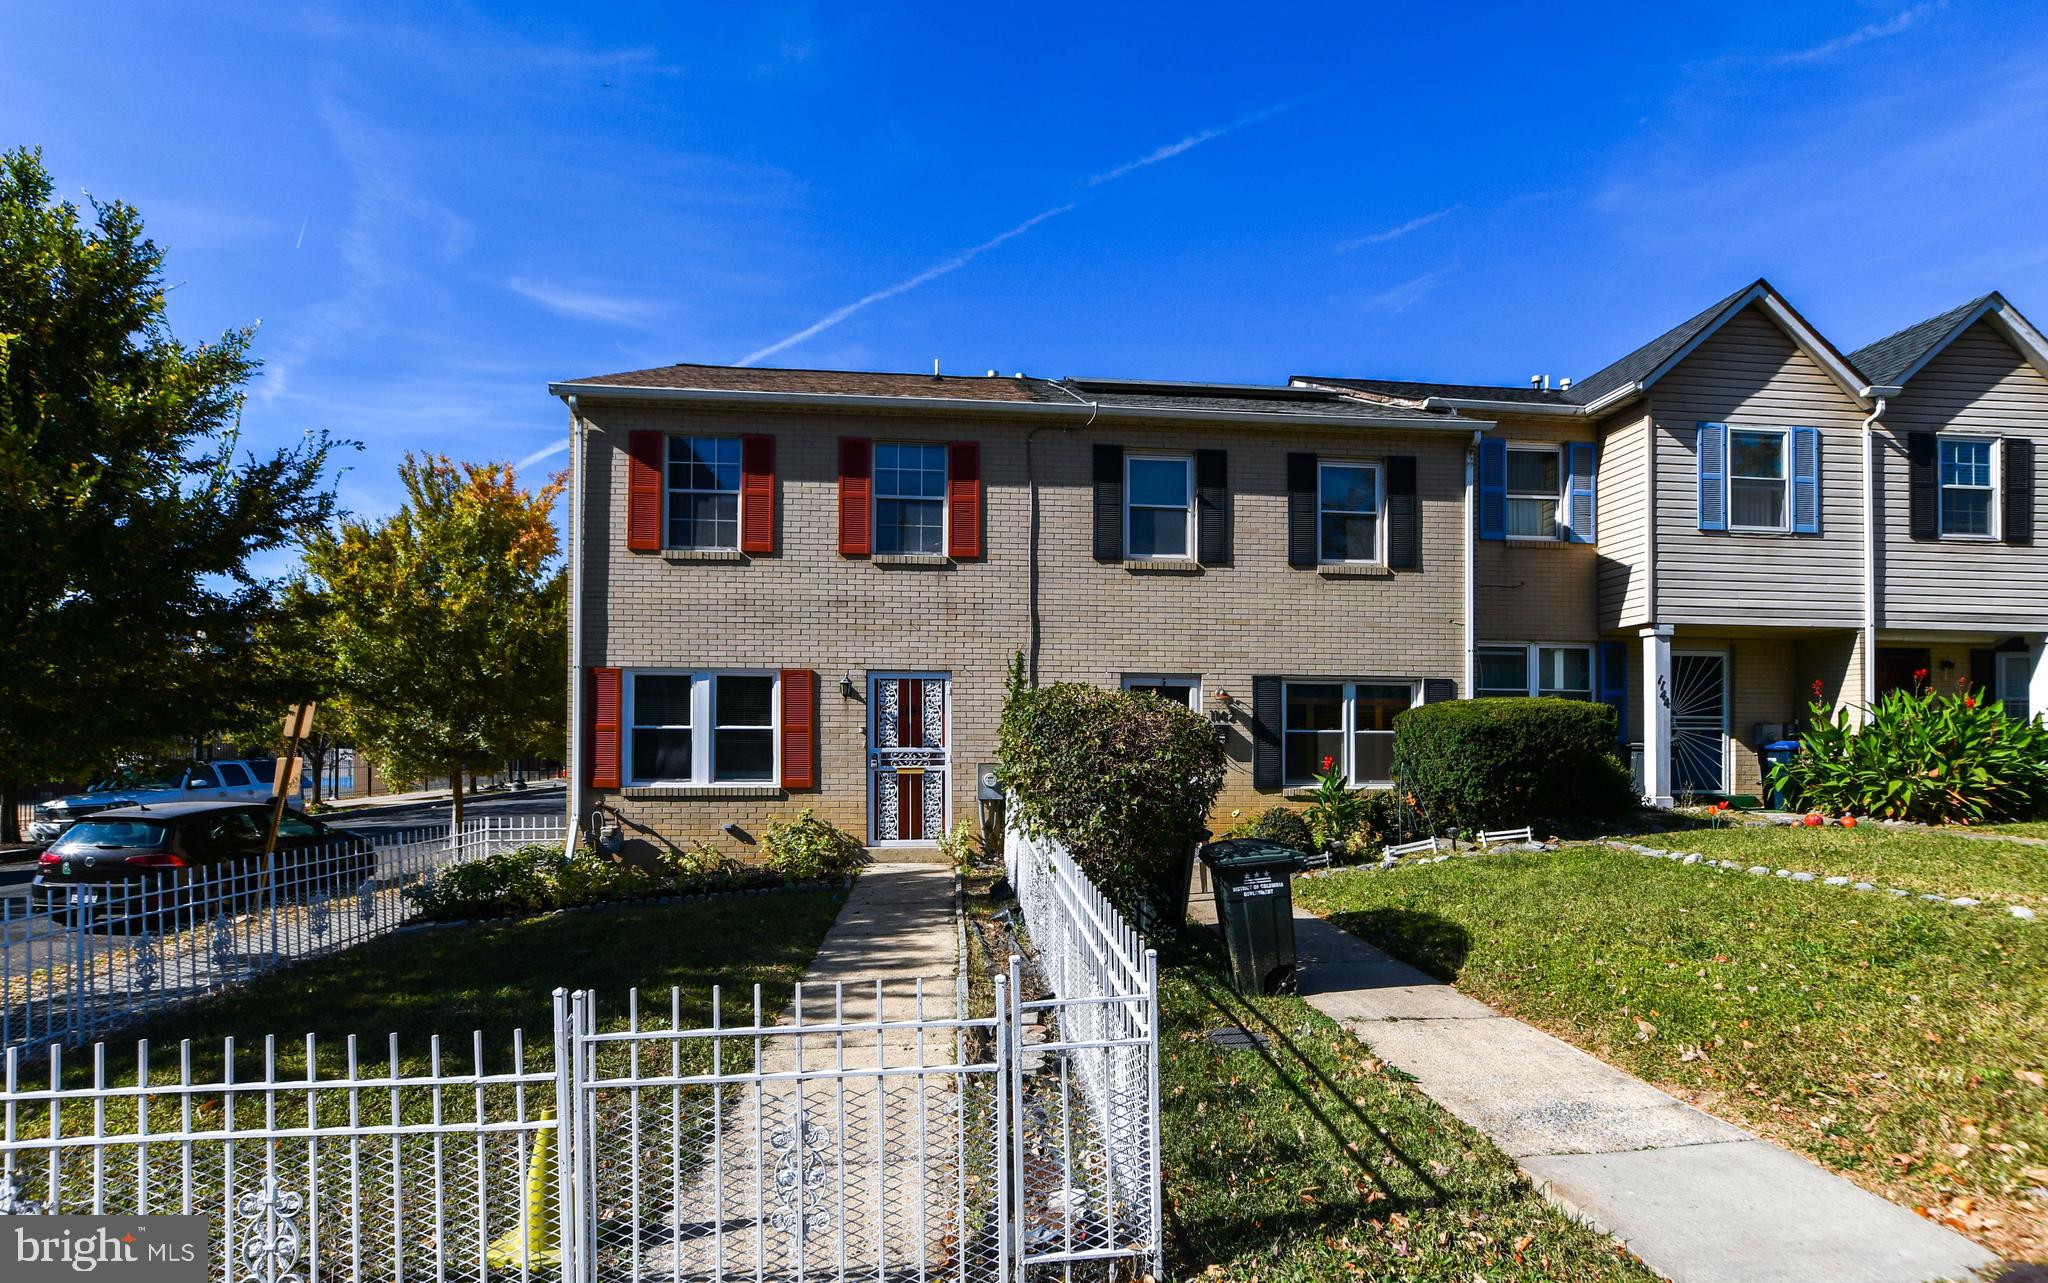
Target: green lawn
1310	1160
1900	1042
2019	828
1916	859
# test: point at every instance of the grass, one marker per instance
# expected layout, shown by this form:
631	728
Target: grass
1310	1160
2018	828
1901	1043
1916	859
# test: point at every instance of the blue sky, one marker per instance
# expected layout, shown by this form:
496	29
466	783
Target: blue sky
434	210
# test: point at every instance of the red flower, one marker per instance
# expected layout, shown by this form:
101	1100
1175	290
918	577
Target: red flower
1328	761
1919	674
1969	701
1819	690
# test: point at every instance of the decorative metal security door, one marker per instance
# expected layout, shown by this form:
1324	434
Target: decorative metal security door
907	757
1699	721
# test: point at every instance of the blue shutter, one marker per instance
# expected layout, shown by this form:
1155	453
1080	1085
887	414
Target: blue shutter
1493	489
1806	481
1614	684
1584	463
1713	461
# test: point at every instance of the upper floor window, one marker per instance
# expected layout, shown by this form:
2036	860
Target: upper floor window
1758	478
910	498
1968	493
1348	512
1535	482
1159	515
700	727
1348	724
704	493
1560	672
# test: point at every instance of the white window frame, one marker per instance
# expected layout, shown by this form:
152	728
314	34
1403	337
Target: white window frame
876	496
1532	668
2007	685
1561	499
1996	487
1349	729
703	726
1131	681
669	492
1784	436
1187	462
1379	515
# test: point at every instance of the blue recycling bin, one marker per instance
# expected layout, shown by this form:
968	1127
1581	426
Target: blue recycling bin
1774	753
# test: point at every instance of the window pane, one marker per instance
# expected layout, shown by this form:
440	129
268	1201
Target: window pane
1349	489
908	525
1756	454
1966	463
1757	503
1347	538
661	754
1532	471
745	701
1504	671
1566	672
1159	532
661	700
1159	482
1377	706
1306	751
743	755
1373	756
1532	518
1174	692
1966	512
1315	707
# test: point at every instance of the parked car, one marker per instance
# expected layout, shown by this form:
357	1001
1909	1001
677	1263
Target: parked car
231	781
117	861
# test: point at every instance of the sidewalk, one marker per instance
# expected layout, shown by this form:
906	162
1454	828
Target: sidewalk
1698	1199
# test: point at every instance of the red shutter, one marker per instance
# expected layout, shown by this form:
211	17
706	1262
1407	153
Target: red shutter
605	713
963	500
856	485
757	494
799	729
643	490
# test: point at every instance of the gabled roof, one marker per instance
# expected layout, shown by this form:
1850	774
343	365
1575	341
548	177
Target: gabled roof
1894	359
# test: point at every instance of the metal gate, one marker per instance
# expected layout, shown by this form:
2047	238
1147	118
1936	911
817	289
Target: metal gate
1699	721
908	756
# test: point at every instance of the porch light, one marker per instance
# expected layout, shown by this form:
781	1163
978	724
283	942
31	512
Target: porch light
846	686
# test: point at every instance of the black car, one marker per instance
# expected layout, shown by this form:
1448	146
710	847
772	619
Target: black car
197	857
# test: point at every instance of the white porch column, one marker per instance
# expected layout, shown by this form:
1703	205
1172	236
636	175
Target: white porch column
1657	715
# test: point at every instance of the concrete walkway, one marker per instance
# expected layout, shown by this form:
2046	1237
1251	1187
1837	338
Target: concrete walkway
1698	1199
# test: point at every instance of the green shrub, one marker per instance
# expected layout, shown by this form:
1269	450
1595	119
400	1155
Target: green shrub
1488	763
539	879
807	847
1936	759
1123	781
960	848
1283	824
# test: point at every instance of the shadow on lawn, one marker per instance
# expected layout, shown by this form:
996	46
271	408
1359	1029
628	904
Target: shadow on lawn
1426	941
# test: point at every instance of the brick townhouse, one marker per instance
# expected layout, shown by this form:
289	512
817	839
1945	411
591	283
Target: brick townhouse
804	588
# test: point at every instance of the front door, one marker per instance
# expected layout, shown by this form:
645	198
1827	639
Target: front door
1699	721
907	756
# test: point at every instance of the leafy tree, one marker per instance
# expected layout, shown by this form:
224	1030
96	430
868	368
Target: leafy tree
127	609
447	621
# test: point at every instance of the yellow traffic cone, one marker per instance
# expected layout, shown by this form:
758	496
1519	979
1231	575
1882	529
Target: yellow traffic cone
534	1243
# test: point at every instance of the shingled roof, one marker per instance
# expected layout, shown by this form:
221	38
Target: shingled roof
735	378
1891	357
1634	367
1406	390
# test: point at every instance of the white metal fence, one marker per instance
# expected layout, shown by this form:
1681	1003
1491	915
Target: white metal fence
77	960
863	1132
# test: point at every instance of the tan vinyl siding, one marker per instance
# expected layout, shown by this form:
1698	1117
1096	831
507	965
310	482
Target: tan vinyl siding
1623	497
1533	590
1836	661
1751	374
1978	384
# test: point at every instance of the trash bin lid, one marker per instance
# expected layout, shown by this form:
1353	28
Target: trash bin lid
1782	746
1250	853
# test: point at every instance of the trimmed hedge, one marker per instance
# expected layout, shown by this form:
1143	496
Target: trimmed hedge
1491	763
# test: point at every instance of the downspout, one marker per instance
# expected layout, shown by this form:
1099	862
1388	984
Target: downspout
572	792
1471	567
1870	536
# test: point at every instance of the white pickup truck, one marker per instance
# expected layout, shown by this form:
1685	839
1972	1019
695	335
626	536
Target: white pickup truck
234	781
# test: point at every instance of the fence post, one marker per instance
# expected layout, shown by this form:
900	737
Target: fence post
568	1153
1155	1175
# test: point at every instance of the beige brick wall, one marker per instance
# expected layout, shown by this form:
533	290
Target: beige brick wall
807	607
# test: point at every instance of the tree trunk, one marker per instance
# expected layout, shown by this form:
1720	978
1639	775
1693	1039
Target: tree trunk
10	812
319	769
455	781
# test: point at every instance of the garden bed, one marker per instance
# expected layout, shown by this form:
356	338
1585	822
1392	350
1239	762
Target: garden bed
1900	1042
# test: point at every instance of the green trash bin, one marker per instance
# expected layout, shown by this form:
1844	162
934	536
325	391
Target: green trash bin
1255	908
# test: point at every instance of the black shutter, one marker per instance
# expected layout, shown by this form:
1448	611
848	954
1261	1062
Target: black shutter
1212	507
1265	732
1984	672
1301	510
1404	514
1435	690
1925	498
2019	490
1109	503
